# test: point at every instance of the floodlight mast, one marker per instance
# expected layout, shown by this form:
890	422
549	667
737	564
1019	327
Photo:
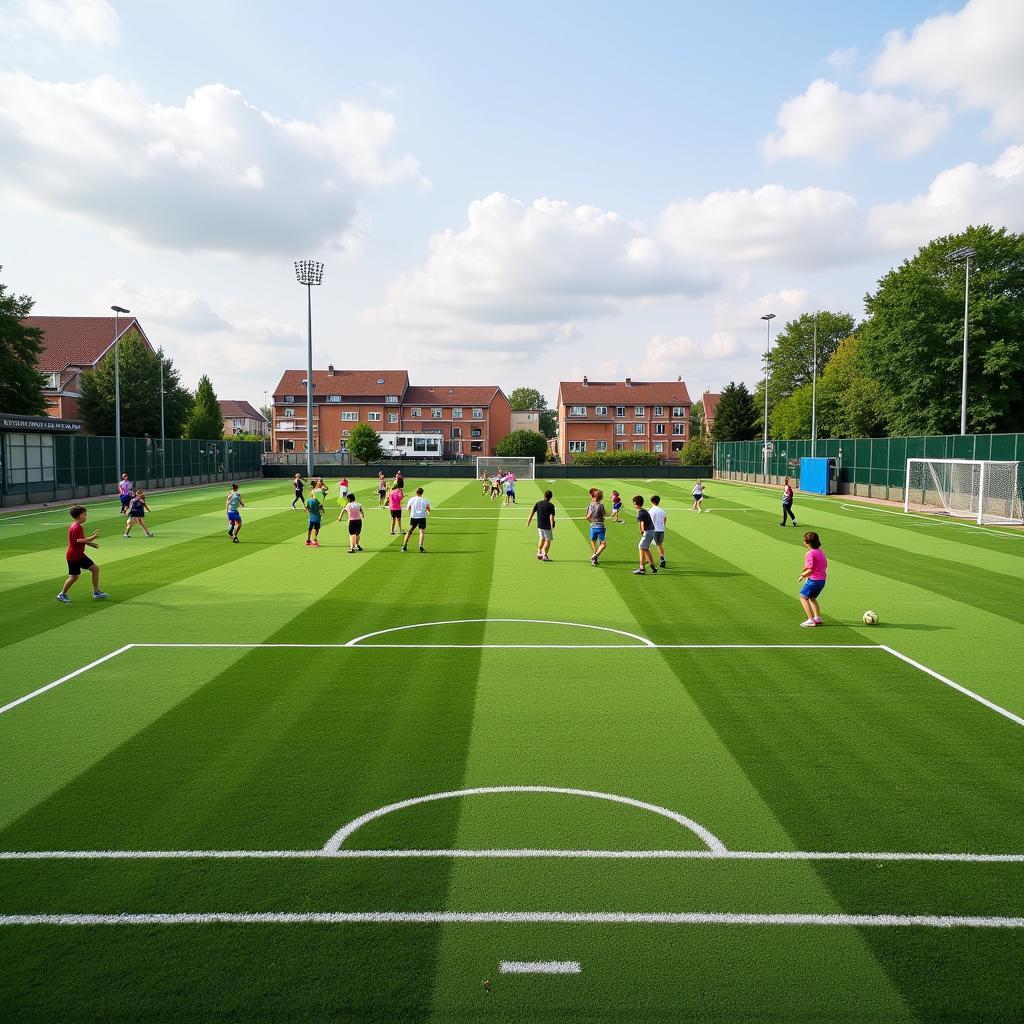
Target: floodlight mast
118	310
309	273
965	254
768	317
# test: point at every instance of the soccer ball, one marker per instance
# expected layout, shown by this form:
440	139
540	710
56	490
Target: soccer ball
870	618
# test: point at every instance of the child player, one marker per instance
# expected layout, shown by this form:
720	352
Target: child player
232	505
616	500
395	499
698	496
595	516
315	508
646	524
419	509
137	510
298	484
813	577
545	513
125	492
77	558
659	518
382	489
354	511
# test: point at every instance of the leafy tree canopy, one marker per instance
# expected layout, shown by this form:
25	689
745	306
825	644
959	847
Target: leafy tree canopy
527	398
525	443
204	419
21	384
364	443
696	451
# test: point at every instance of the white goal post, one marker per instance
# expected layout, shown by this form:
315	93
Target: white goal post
983	490
521	466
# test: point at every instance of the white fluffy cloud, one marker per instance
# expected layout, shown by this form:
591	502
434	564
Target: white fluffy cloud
215	174
967	194
827	123
803	228
973	55
68	21
182	309
737	314
668	356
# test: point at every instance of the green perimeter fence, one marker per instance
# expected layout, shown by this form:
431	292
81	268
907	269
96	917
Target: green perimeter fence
870	467
467	471
40	466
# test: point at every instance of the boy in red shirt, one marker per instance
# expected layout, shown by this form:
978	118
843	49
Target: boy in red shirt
77	558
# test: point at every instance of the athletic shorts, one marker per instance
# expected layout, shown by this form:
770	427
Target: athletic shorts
617	508
396	513
659	536
234	517
597	533
380	494
314	521
812	588
125	502
545	534
355	528
418	524
645	540
77	565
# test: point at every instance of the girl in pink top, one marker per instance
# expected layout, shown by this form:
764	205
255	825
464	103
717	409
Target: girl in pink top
813	577
395	499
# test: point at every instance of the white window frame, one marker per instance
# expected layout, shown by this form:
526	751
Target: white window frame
392	417
348	416
289	413
659	428
678	429
478	414
620	410
457	412
391	399
577	410
600	410
659	410
288	399
577	446
601	446
620	446
639	410
334	399
374	417
416	413
620	429
639	446
639	429
679	410
659	447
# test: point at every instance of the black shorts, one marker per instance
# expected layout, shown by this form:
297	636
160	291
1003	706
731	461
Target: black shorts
381	492
396	513
418	524
355	528
77	565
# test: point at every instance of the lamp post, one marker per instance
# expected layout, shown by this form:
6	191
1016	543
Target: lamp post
309	273
814	390
118	310
768	318
956	256
163	432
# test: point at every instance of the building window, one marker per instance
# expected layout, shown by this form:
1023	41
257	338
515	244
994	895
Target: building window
639	410
639	446
435	413
334	398
659	446
391	399
415	413
639	428
373	417
577	446
601	410
476	432
52	380
602	446
456	431
457	413
289	399
679	410
380	380
659	428
620	428
620	446
349	417
476	446
577	410
677	429
289	413
392	417
478	414
659	410
620	410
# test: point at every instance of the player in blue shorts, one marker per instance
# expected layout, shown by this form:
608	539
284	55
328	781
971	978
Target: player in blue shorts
315	508
232	505
595	516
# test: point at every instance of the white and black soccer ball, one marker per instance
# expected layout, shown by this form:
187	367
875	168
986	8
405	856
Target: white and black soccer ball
870	618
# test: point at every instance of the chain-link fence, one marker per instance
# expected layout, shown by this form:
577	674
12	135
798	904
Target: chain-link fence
871	467
39	466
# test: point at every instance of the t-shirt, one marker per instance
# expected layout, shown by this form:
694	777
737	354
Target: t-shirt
616	501
125	487
644	518
299	484
658	517
697	490
817	563
595	510
233	499
395	500
76	542
136	508
787	493
313	504
355	511
545	512
418	507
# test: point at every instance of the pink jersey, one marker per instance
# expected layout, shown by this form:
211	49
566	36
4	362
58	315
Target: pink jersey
395	500
355	511
817	563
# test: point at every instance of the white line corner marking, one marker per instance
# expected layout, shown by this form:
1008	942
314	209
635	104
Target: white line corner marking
540	967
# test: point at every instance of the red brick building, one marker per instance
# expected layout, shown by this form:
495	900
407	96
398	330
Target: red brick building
604	416
471	420
710	401
73	345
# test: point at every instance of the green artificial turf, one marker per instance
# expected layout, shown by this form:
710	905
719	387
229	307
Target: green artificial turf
797	743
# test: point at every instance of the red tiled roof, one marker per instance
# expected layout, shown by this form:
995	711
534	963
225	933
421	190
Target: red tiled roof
79	340
455	394
710	400
347	383
231	410
638	392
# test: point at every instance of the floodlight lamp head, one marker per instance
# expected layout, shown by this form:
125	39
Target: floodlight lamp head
768	316
963	253
120	309
309	272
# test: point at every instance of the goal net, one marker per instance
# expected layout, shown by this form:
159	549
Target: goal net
982	490
520	465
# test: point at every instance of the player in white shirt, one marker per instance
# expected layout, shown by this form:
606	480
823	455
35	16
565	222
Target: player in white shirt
419	509
659	518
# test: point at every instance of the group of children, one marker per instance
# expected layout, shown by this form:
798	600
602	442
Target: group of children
502	482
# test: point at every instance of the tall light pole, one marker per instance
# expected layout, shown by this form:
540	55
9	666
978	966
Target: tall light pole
118	310
956	256
163	433
768	317
309	273
814	390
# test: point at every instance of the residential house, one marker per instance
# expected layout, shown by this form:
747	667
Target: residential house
709	401
242	418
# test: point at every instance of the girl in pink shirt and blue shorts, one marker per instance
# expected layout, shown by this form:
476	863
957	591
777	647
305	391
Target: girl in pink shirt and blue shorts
813	578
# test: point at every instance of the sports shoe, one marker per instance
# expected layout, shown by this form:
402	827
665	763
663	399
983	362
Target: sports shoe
150	534
540	557
808	623
98	595
404	548
545	559
309	543
351	551
639	572
817	620
661	564
235	539
655	571
316	543
64	599
794	522
359	547
593	559
423	550
126	536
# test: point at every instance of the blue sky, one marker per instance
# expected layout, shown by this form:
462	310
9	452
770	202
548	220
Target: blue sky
501	194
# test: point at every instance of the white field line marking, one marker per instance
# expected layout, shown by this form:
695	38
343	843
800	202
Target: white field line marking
711	841
931	520
521	854
519	917
542	622
64	679
956	686
26	515
540	967
539	647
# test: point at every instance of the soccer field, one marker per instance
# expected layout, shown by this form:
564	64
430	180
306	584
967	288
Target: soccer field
264	782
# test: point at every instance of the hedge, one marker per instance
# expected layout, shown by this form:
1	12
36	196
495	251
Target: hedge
624	458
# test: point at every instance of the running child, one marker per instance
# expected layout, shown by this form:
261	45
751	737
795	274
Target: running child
298	483
354	511
646	525
232	505
419	509
595	516
315	508
342	489
659	518
698	496
510	488
496	483
787	502
137	510
76	557
382	489
485	480
545	512
395	499
813	577
125	492
616	500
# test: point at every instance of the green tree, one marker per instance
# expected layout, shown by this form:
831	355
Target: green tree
791	417
364	443
523	443
849	398
204	420
736	418
697	423
522	399
791	360
21	384
913	341
696	451
140	393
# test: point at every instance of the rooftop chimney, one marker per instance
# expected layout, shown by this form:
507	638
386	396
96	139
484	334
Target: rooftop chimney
585	381
330	369
629	382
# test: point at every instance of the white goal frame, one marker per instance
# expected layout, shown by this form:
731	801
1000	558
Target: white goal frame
524	466
984	490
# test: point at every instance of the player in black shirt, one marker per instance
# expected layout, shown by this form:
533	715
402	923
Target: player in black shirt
646	525
545	513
